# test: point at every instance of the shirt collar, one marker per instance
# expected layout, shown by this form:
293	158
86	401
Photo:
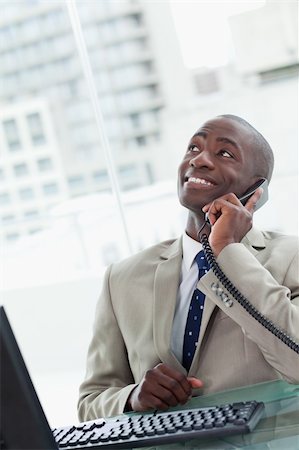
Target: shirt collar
190	250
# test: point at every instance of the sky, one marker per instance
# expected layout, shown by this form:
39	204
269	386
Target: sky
203	30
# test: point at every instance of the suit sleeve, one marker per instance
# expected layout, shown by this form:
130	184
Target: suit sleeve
109	380
277	301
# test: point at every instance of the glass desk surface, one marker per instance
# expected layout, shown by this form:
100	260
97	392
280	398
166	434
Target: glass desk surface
278	429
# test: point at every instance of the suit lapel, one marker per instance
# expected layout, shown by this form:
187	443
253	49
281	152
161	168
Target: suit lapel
167	278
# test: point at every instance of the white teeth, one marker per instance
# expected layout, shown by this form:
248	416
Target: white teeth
200	181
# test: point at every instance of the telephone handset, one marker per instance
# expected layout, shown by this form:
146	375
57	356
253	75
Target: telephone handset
268	324
262	183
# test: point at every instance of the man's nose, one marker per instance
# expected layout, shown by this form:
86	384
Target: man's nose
202	159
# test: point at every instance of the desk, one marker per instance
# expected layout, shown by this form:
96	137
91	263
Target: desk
278	428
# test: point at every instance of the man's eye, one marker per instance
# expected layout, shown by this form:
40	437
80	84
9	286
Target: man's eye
226	154
193	148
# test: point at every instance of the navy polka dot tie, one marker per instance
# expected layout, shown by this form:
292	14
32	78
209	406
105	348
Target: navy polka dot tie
194	315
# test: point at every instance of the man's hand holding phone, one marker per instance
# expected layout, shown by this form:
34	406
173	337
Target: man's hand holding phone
230	219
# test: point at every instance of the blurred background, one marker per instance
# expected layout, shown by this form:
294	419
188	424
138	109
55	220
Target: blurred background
98	100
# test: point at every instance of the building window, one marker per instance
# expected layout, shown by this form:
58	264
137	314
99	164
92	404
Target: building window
35	230
128	171
12	236
21	170
149	172
136	19
8	219
4	198
100	176
141	141
50	189
76	181
135	120
12	134
26	193
36	128
31	214
45	164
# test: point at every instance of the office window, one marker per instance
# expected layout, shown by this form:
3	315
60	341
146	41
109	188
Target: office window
50	189
11	82
129	172
8	219
4	198
26	193
108	30
73	88
76	181
150	173
12	236
44	164
30	29
36	128
12	134
34	230
155	115
141	141
20	170
136	19
135	120
100	176
31	214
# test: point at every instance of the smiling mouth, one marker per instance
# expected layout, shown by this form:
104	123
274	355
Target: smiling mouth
200	181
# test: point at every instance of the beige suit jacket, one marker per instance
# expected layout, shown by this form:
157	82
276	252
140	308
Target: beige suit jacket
134	316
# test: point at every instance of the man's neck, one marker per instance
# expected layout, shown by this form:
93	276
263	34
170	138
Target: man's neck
194	224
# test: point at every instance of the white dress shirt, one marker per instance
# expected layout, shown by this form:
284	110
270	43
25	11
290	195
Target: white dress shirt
188	282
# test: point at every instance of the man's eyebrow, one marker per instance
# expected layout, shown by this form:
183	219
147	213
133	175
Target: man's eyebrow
200	134
228	141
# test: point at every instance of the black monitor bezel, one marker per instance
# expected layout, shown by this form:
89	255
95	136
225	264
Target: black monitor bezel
23	423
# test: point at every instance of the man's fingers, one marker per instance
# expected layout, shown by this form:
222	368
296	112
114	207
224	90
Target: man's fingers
252	201
227	198
195	382
177	377
215	206
161	388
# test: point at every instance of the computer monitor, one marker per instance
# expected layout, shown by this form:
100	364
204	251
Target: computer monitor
23	424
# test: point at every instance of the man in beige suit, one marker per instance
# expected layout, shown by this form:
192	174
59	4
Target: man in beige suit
135	356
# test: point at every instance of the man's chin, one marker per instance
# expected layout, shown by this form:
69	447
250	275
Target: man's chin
194	207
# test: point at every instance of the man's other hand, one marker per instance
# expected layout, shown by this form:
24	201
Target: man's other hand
162	387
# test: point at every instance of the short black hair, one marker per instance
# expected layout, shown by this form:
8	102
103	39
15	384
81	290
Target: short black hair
265	156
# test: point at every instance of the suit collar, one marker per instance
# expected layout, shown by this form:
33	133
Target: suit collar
254	238
173	250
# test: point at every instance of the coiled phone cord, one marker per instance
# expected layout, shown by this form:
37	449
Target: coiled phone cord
268	324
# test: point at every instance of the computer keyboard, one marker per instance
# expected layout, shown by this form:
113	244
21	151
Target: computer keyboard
142	430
